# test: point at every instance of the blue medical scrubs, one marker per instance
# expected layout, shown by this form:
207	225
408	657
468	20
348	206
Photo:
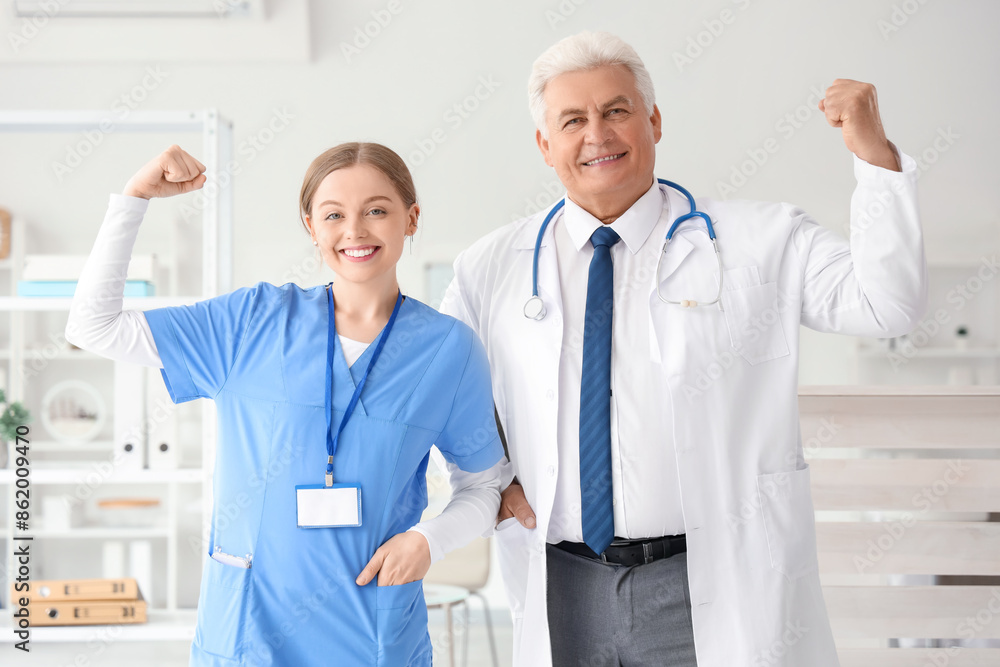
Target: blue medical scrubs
260	353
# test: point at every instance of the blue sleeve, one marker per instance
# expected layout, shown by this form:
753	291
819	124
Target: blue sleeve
198	344
469	439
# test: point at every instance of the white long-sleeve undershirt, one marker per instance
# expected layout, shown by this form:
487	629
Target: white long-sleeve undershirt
97	323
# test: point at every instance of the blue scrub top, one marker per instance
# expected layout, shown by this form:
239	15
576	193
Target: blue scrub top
260	353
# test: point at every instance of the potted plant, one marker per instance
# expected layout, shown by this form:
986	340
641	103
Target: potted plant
13	415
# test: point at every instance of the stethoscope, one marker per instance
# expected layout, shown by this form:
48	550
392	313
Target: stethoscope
534	308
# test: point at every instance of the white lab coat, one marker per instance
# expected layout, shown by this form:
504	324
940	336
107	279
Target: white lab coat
731	379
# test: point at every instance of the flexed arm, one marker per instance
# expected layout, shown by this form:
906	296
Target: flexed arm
876	284
96	320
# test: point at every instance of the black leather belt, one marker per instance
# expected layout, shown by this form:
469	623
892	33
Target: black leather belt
630	552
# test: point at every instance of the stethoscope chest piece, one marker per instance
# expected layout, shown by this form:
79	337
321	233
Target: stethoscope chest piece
534	308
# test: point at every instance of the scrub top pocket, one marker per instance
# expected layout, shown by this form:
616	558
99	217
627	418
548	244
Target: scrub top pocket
754	323
402	625
222	609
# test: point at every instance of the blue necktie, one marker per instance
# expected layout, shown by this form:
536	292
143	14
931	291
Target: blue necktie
597	513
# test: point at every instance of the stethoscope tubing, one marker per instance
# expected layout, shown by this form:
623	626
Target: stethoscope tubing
534	308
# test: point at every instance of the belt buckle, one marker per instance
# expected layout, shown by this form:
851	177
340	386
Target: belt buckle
603	556
647	553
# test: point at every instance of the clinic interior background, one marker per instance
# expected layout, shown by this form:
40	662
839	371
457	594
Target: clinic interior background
444	84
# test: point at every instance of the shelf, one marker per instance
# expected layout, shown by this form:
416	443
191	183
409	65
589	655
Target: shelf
100	533
934	352
80	121
58	446
162	626
87	475
72	355
55	304
955	262
852	391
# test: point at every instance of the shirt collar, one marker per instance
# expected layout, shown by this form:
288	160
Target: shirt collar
634	226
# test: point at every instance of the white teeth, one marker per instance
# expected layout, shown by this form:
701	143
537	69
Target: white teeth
604	159
359	253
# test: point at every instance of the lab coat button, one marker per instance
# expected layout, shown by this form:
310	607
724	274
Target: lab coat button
552	471
551	395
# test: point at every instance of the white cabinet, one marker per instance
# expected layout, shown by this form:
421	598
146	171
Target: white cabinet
81	472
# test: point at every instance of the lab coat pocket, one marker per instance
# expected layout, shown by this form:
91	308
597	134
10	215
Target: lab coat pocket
222	609
513	548
754	322
507	523
402	623
789	522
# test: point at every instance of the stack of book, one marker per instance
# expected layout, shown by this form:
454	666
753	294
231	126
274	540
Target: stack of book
57	275
85	602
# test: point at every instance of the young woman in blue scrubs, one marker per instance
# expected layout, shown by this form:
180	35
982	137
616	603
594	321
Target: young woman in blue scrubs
343	388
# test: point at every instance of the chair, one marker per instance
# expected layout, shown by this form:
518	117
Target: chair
467	568
443	596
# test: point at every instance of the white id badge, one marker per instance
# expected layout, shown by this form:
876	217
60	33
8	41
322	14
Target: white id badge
336	506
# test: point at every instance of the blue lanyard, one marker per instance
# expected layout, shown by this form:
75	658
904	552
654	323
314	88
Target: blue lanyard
331	439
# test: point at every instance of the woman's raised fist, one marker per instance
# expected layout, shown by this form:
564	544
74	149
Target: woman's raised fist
172	172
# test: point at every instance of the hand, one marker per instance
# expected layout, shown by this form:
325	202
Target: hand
853	107
403	558
172	172
513	503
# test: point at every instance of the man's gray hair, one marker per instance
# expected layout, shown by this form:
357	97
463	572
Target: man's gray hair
584	51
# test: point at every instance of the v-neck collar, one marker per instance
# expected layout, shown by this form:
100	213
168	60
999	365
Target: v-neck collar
342	392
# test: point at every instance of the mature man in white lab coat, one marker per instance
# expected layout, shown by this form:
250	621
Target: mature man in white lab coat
661	510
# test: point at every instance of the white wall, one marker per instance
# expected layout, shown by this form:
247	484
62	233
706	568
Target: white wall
936	73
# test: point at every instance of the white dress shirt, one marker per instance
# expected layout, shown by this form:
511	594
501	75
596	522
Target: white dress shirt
647	501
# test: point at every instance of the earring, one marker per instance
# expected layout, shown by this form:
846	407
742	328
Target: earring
411	244
315	242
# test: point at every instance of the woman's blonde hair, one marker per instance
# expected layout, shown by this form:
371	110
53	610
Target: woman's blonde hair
356	152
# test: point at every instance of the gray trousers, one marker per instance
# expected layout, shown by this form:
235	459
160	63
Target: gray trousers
605	615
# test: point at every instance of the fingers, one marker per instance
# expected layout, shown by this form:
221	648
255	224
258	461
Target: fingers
524	514
194	184
371	569
829	113
513	503
179	166
193	166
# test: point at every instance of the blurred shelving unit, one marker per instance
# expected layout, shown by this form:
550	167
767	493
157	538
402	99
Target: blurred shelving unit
958	340
167	622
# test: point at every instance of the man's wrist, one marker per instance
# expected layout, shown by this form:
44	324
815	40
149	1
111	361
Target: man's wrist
886	158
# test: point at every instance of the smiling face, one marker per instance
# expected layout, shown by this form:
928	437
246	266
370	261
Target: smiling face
601	140
360	223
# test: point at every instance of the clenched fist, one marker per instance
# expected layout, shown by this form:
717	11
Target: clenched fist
172	172
853	107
